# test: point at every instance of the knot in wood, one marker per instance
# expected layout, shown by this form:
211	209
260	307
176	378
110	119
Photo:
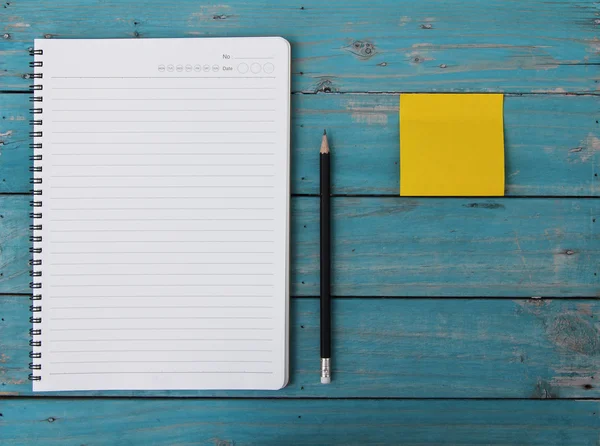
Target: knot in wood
362	49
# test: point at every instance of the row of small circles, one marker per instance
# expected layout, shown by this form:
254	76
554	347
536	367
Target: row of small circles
242	68
256	68
188	68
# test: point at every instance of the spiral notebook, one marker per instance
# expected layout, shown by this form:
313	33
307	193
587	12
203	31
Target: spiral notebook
160	218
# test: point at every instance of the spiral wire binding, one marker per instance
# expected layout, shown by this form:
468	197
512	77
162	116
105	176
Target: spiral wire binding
35	238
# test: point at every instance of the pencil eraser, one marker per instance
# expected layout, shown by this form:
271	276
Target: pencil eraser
325	380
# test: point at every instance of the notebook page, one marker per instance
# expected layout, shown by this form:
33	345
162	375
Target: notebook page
164	239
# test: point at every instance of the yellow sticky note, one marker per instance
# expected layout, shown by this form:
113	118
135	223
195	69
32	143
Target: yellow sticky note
451	145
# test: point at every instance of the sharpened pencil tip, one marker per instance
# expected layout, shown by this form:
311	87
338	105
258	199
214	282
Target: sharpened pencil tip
324	143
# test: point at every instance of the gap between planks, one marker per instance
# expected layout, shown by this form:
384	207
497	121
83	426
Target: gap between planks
63	397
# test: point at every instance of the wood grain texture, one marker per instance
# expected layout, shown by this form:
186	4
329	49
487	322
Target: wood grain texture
552	144
397	246
418	348
351	45
56	422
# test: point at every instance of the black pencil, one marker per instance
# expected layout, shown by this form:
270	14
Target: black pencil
325	262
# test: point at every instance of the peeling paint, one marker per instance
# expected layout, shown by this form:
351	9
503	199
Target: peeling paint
595	45
544	390
370	118
484	205
586	382
586	151
18	25
364	113
573	332
549	90
210	12
8	133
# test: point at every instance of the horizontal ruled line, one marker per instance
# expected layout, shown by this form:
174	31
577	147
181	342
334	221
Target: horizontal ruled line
158	318
160	274
131	220
170	285
157	373
162	263
166	187
162	351
125	143
195	296
165	176
208	121
161	198
162	209
163	362
146	154
164	165
162	110
161	252
137	307
166	329
163	88
162	339
225	132
164	77
159	230
166	241
163	99
159	263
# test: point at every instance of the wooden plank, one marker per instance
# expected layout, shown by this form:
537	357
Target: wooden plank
14	143
356	45
552	144
14	244
318	422
418	348
396	246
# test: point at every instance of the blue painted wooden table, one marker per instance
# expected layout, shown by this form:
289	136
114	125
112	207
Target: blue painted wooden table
457	321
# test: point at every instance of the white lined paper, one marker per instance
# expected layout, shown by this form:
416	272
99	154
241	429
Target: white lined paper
165	216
